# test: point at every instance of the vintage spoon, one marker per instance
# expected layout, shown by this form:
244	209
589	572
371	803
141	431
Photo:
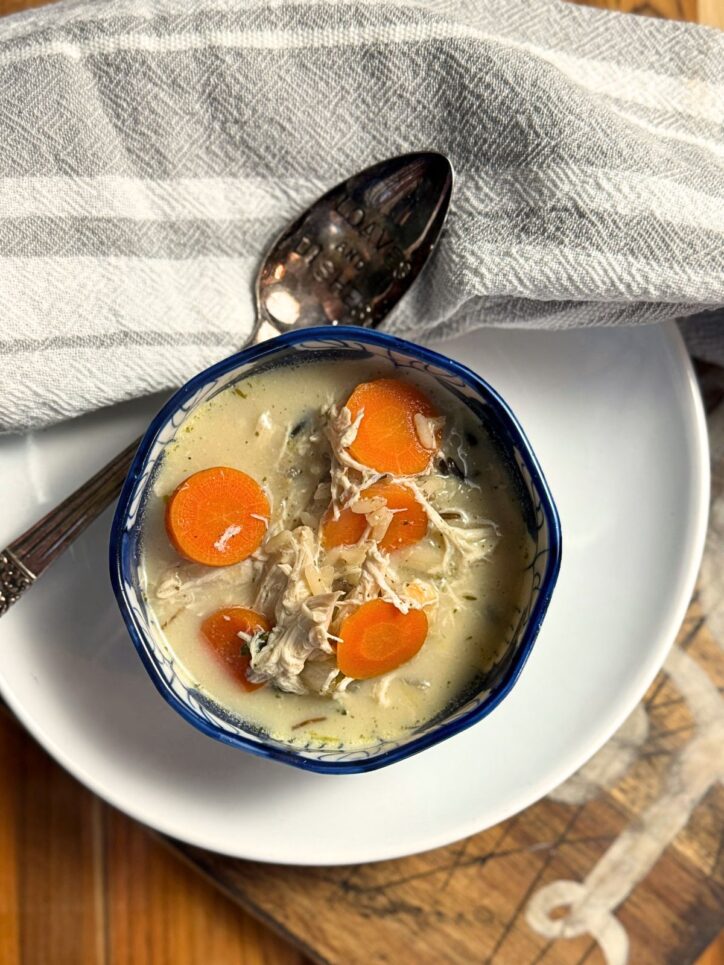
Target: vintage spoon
347	260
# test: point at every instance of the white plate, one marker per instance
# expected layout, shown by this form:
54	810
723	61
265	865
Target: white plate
616	420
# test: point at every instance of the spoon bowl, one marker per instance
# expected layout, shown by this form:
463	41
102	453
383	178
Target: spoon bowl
351	257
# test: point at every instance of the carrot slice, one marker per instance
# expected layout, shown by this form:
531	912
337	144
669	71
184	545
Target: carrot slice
221	631
387	439
408	525
377	638
217	516
346	530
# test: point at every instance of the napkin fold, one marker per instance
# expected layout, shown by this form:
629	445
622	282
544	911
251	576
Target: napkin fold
150	149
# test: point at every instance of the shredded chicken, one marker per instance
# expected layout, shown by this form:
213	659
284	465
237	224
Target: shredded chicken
305	591
349	433
379	522
287	554
428	430
377	579
223	540
299	636
319	676
264	422
339	692
179	582
301	616
474	540
381	688
347	476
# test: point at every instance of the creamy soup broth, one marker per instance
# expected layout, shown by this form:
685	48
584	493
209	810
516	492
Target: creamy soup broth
270	426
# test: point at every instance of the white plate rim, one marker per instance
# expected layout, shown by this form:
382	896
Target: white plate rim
531	793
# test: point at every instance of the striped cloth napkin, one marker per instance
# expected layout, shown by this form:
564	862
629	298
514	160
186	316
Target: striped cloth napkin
150	149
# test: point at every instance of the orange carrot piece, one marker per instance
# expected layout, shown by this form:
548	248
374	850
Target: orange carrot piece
387	439
346	530
408	525
216	517
377	638
221	631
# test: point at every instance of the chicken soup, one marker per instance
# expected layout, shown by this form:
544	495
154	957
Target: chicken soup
334	552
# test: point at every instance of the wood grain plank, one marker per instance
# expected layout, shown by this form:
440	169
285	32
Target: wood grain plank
714	955
670	9
161	912
711	12
10	741
81	883
50	907
15	6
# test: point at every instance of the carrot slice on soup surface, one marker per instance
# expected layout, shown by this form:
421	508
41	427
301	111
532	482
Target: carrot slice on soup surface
408	526
377	638
387	439
346	530
217	516
221	631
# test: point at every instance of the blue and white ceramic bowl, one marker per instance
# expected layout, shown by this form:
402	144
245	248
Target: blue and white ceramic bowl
316	344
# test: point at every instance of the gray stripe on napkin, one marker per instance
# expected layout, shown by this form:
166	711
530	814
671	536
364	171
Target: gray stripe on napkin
112	340
587	230
127	237
161	123
589	150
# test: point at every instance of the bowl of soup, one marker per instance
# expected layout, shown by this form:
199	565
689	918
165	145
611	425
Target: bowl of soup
335	549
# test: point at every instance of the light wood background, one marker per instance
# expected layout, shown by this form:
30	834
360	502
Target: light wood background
80	883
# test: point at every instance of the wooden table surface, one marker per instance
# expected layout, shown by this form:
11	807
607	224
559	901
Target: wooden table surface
628	840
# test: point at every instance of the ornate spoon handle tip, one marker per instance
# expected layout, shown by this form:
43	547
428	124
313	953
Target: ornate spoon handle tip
14	579
22	562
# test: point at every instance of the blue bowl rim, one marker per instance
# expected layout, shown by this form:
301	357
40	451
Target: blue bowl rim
118	558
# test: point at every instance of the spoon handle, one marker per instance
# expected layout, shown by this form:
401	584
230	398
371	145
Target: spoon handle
28	556
22	562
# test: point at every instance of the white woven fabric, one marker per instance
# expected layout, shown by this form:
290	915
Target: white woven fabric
149	149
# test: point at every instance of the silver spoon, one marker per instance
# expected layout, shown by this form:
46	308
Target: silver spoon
346	261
